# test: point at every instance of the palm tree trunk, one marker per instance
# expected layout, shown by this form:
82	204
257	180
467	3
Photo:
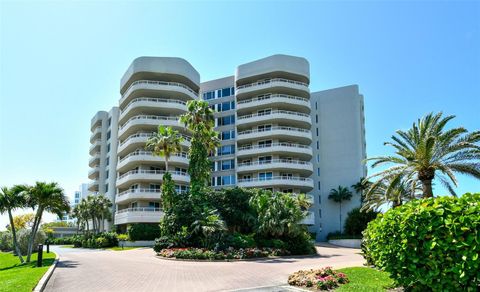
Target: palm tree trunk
340	216
427	188
33	233
14	235
166	163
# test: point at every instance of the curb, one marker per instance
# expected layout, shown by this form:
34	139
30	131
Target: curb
44	280
240	260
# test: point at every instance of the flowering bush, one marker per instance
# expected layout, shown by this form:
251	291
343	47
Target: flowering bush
230	253
322	279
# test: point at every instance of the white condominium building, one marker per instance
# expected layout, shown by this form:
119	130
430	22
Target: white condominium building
275	134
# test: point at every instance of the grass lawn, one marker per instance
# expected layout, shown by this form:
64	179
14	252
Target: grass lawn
365	279
118	248
17	277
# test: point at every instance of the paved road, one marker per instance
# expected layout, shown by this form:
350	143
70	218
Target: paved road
140	270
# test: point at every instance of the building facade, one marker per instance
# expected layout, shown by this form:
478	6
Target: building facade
275	134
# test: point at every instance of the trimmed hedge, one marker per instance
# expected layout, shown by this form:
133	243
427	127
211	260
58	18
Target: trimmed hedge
430	244
143	231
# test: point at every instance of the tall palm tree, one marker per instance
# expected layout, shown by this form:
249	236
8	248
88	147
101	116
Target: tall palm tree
428	151
339	195
165	142
361	186
394	193
45	197
199	117
200	120
11	199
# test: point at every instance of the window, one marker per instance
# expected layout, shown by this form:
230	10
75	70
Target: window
319	213
318	171
316	119
319	199
226	164
226	106
154	205
107	161
264	112
264	159
226	150
319	186
181	188
106	188
109	121
225	180
287	191
106	174
226	92
155	187
228	120
318	145
181	170
316	105
134	204
227	135
264	128
265	143
108	147
317	132
265	176
109	134
318	157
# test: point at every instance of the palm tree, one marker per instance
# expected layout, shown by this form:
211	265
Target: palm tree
339	195
11	199
428	151
45	197
199	117
200	120
394	192
165	142
361	186
209	225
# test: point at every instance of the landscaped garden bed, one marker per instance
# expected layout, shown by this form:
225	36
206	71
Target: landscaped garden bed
321	279
192	253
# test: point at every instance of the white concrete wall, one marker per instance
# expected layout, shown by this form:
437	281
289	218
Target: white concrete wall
341	150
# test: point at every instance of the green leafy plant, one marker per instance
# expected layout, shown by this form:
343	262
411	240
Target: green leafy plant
429	244
357	221
143	231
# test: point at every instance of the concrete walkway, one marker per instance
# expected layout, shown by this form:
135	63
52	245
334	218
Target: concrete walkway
140	270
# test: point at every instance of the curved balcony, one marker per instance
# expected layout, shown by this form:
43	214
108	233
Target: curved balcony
309	218
295	103
93	186
138	123
294	118
139	140
152	86
137	194
94	173
147	105
136	176
140	157
94	160
303	167
303	136
96	134
298	150
287	86
138	215
95	147
303	183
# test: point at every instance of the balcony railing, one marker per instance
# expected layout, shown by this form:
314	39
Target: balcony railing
273	112
139	209
298	162
149	117
271	96
274	145
142	152
161	83
271	81
147	135
134	191
159	100
283	177
144	171
272	129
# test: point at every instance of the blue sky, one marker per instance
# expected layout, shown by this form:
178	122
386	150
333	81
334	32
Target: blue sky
60	62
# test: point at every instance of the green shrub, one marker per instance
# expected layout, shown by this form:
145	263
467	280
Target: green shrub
163	242
430	244
300	244
122	237
273	243
6	241
143	231
23	236
339	235
238	240
357	221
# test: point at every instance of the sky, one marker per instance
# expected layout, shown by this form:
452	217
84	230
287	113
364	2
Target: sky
61	62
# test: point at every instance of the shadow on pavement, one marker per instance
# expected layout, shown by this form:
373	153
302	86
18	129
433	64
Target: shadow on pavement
67	264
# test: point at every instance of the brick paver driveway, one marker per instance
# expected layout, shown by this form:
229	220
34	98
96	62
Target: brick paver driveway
140	270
